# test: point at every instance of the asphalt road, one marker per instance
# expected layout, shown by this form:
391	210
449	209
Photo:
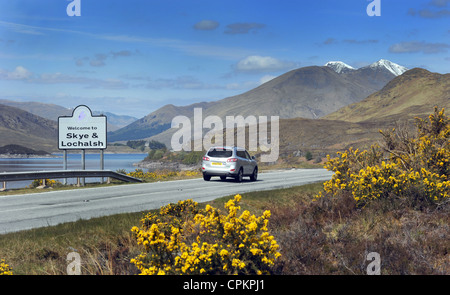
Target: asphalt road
21	212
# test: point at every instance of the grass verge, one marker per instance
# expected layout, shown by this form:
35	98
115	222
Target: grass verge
328	236
158	176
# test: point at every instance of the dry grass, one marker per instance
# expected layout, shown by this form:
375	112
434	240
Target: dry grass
331	236
105	246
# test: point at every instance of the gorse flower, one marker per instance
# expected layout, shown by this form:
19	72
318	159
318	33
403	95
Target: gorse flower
405	166
48	182
183	239
5	269
161	175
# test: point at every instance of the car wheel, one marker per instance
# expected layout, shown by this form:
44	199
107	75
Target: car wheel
254	175
238	177
206	177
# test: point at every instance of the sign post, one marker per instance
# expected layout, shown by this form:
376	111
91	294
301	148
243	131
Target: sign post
83	164
102	163
65	165
82	131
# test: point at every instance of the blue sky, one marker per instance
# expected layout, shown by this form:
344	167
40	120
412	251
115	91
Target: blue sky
132	57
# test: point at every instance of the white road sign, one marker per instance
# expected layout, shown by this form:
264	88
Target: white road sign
81	130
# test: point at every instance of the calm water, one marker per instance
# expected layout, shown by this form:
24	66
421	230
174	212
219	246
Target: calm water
112	162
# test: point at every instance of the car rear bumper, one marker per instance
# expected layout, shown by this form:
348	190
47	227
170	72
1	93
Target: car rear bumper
228	171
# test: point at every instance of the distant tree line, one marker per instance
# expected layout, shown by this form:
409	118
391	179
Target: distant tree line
156	145
136	144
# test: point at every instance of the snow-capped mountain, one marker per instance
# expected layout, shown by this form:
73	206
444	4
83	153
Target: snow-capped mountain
394	68
339	66
382	64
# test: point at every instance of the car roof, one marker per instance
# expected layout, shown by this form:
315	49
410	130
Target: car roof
227	147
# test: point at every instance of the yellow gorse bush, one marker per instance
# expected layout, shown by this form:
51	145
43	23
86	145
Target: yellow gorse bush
5	269
48	182
405	167
161	175
182	239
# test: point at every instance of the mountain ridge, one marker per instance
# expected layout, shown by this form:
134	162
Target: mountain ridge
406	96
307	92
26	129
52	112
411	94
341	67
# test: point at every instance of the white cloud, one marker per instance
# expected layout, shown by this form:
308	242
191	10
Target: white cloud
416	46
189	47
439	3
246	85
266	79
33	30
90	83
241	86
99	59
206	25
180	82
259	64
22	74
243	28
19	73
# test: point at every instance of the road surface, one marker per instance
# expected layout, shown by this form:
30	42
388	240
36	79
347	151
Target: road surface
21	212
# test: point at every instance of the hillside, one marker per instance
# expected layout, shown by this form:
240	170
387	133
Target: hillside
321	137
412	94
44	110
52	112
115	121
14	149
23	128
152	124
308	92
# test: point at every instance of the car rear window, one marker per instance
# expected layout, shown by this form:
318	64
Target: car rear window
220	153
241	154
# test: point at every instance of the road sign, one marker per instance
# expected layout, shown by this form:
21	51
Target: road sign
82	131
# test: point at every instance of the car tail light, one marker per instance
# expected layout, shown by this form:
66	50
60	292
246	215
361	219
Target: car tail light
205	158
232	160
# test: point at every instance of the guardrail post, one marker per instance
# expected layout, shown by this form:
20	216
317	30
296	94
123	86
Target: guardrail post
4	186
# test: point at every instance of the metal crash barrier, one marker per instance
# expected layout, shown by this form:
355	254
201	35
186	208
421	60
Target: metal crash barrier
17	176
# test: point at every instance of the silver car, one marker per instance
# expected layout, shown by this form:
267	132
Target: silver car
229	162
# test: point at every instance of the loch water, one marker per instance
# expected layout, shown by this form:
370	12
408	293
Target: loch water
112	162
